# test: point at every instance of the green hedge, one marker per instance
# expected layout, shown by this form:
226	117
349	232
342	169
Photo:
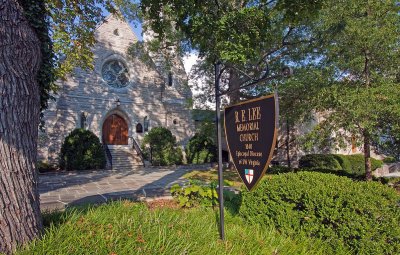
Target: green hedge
361	216
351	165
323	161
82	150
279	170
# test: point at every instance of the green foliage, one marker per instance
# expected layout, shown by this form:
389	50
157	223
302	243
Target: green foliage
362	216
198	193
82	150
357	89
127	228
195	194
200	149
389	160
43	166
36	13
350	165
159	145
388	142
323	161
279	170
357	163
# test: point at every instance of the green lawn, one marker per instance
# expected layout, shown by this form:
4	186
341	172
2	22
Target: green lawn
212	175
132	228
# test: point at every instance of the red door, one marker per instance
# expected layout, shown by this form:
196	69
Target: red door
115	130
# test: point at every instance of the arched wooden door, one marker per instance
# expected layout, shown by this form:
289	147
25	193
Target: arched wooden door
115	130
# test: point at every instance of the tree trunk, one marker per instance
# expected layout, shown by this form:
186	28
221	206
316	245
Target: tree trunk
234	84
20	219
367	157
288	143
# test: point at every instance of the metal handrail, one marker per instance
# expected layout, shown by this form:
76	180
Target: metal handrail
138	150
108	152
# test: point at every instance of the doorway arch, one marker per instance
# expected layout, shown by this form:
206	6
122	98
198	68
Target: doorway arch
115	130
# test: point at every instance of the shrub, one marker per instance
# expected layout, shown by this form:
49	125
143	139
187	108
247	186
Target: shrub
348	165
279	170
357	163
201	149
389	160
363	216
195	194
82	150
198	193
322	161
44	167
159	146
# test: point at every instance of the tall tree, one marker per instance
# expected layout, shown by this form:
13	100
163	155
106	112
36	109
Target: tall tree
359	57
34	35
20	60
249	36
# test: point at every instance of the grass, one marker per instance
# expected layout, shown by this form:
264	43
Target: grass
132	228
230	176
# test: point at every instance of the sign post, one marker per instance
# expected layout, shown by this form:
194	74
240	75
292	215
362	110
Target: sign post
254	173
220	176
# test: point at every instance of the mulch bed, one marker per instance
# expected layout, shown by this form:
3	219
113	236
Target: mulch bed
162	203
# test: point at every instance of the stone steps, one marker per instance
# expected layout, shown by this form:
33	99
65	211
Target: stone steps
124	158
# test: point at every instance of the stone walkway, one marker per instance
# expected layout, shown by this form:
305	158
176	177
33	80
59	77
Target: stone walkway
58	190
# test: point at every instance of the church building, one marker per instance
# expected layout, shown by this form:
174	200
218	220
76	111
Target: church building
120	100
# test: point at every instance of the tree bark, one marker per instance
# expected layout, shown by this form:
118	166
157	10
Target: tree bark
288	143
20	219
367	157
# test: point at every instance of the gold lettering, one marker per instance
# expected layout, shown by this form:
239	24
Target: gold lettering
236	117
243	116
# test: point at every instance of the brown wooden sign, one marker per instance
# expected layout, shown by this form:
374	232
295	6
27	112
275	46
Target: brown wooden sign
250	130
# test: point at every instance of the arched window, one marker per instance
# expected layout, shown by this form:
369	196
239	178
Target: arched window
139	128
115	73
146	124
83	119
170	79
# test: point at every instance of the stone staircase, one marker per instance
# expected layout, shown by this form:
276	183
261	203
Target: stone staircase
124	157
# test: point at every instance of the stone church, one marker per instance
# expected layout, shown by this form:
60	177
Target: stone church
120	100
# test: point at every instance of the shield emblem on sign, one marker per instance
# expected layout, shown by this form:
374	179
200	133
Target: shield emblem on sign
251	131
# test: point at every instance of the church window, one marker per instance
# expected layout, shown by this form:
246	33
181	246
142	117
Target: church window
170	79
175	121
83	120
139	128
116	32
115	74
146	124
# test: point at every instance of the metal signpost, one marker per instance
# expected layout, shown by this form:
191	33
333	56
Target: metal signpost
262	115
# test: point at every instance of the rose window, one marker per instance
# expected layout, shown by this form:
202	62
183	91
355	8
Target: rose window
115	74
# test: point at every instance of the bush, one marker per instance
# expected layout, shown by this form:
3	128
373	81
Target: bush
349	165
357	163
195	194
44	167
389	160
82	150
198	193
322	161
279	170
201	149
362	216
159	146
